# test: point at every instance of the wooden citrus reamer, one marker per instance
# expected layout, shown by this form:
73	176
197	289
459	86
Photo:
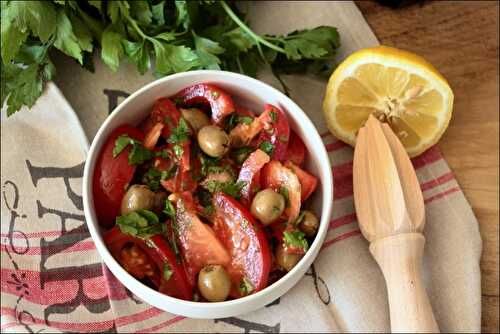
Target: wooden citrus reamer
391	214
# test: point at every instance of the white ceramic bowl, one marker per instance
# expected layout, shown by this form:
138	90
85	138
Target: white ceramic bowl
250	93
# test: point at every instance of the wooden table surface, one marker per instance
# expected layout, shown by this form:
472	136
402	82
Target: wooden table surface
461	40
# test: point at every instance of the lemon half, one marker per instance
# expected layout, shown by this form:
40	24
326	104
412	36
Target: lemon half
398	87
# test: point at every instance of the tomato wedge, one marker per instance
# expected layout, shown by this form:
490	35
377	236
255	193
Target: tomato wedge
274	175
277	134
164	111
182	180
308	182
112	176
296	151
198	243
220	103
246	242
249	174
159	253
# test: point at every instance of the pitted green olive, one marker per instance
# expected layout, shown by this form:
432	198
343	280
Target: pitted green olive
214	283
267	206
213	141
309	224
137	197
195	117
285	260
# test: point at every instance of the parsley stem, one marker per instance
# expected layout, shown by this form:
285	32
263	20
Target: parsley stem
249	31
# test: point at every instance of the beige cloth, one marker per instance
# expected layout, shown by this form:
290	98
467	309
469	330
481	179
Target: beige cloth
52	277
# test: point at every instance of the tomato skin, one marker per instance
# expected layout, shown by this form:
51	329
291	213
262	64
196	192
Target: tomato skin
250	173
278	134
296	151
245	240
198	242
219	101
164	109
308	182
182	180
112	176
158	252
274	175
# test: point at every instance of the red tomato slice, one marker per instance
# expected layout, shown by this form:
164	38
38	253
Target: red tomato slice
248	174
198	243
278	134
243	133
307	181
296	151
159	253
246	242
112	176
182	180
274	175
219	101
165	112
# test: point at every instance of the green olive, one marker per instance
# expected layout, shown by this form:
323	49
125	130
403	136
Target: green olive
267	206
195	117
284	260
137	197
213	141
309	224
214	283
159	201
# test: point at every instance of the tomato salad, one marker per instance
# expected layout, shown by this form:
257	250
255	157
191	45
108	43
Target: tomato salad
204	199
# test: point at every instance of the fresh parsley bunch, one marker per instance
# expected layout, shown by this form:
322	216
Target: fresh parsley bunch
171	36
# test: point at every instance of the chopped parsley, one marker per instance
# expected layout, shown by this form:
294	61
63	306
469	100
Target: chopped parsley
245	287
180	133
153	177
169	209
165	154
300	218
274	116
295	239
206	163
284	192
167	271
137	155
267	147
142	224
205	199
241	154
234	119
178	150
231	188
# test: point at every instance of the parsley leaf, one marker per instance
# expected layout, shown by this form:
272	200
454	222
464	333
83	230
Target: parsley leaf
153	177
284	192
274	116
169	209
180	133
176	37
142	224
245	287
167	271
137	155
241	154
232	188
267	147
295	239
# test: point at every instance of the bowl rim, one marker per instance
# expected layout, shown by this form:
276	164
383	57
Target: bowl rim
326	193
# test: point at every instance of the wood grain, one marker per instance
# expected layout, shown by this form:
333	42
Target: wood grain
461	40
